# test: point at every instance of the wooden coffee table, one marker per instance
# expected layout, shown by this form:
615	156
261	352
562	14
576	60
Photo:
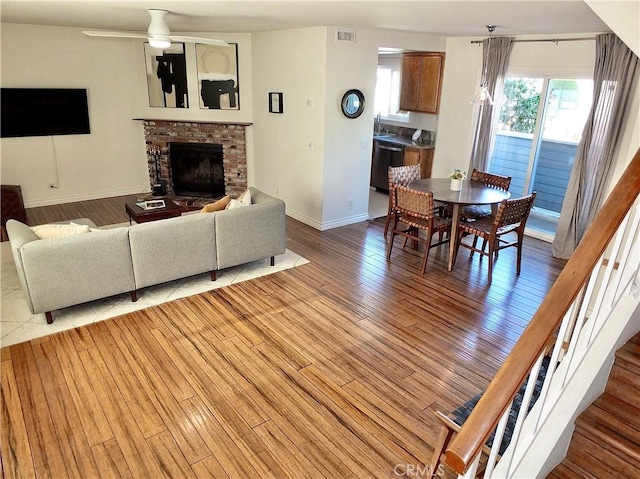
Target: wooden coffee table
140	215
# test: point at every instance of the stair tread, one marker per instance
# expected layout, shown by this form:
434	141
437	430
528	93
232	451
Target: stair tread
627	413
628	356
624	383
612	432
599	461
569	470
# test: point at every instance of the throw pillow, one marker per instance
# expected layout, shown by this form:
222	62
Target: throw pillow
234	204
49	231
221	204
245	198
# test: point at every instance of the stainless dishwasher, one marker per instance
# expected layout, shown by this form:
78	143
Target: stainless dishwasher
384	156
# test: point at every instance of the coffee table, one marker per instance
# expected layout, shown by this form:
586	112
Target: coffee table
140	215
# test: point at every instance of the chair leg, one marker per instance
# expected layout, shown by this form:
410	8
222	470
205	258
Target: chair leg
519	257
389	215
427	248
491	242
393	236
473	245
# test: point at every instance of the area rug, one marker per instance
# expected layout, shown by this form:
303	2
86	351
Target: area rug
18	324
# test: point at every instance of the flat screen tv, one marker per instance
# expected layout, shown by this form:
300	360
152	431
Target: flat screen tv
43	112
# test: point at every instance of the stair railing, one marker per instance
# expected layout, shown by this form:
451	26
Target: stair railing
603	267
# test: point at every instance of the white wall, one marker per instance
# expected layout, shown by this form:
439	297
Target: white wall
292	62
111	160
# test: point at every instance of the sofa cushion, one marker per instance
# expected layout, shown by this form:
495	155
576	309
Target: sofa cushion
173	248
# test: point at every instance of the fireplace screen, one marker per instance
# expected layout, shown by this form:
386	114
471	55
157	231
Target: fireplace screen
197	169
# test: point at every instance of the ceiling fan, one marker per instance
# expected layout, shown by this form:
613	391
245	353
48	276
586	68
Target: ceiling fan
158	33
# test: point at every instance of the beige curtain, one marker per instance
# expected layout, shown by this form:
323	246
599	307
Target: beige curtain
615	71
495	59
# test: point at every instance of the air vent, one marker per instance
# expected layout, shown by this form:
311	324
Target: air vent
346	36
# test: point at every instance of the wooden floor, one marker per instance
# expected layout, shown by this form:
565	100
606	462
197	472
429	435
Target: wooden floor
329	370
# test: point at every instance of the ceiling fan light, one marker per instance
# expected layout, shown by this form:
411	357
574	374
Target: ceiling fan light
160	42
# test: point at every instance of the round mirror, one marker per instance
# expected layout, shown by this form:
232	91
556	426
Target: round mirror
353	103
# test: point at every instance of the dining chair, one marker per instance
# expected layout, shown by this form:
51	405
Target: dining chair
511	217
499	182
417	211
399	176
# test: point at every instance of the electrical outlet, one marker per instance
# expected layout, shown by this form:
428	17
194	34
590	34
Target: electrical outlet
349	204
310	145
364	144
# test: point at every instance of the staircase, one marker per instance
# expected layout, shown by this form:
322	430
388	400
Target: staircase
606	440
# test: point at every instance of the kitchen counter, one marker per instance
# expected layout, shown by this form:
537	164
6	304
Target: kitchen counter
403	141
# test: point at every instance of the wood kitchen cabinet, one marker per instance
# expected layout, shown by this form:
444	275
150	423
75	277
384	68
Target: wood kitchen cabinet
421	81
419	156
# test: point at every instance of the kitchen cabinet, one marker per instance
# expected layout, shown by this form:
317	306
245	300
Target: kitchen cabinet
421	81
419	156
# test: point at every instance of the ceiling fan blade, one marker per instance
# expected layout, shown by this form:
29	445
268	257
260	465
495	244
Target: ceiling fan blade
207	41
102	33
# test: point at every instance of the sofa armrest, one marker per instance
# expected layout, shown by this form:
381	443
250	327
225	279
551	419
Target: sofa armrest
20	234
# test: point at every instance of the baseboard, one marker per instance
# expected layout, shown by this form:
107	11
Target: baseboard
329	224
71	199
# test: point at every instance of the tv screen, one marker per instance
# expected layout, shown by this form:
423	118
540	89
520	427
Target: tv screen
43	112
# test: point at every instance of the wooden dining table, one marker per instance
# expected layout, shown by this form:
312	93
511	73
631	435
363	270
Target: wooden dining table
472	193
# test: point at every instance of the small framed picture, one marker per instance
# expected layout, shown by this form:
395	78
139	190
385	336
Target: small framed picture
275	102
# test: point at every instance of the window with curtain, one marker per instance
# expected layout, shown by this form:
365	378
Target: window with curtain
539	127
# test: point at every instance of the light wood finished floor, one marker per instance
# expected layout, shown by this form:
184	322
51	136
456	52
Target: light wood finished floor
329	370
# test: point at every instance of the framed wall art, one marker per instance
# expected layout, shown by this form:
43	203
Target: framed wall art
217	68
275	102
166	72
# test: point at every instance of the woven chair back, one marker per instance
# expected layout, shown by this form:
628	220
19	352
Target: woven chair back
418	204
514	211
490	179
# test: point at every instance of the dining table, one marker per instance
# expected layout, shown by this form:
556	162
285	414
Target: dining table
472	193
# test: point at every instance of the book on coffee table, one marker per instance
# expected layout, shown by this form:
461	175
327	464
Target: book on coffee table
151	205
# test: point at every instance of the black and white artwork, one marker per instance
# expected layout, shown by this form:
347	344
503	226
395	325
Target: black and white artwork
217	68
166	71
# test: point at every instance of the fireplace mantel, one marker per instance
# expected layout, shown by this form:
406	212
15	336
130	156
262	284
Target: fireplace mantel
237	123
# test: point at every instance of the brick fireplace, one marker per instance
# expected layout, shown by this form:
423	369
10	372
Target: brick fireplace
230	136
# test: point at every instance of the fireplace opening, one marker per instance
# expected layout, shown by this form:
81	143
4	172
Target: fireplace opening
197	169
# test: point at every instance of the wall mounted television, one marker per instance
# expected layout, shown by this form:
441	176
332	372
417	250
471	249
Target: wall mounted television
43	112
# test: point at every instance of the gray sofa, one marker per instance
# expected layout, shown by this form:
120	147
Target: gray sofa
61	272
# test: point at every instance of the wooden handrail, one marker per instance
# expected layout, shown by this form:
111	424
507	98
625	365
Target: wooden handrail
504	386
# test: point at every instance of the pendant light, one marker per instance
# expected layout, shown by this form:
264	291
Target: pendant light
482	96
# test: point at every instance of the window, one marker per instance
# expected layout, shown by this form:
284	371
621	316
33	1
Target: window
387	101
540	126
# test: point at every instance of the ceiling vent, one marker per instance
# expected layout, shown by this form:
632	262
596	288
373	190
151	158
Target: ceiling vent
348	36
